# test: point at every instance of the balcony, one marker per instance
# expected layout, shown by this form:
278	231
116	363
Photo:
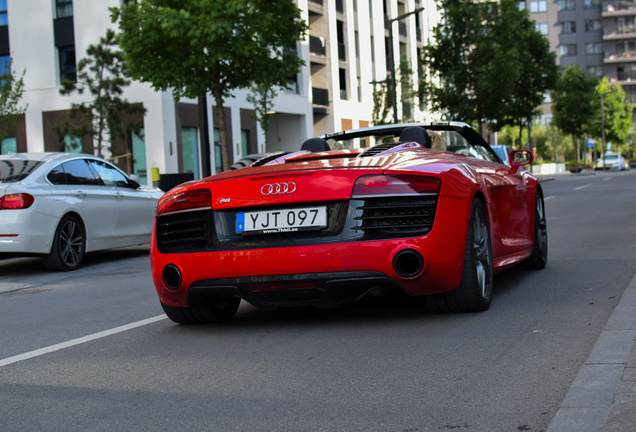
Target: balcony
619	8
320	100
625	33
620	57
627	76
317	46
318	2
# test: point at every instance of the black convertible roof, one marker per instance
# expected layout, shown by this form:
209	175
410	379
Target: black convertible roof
393	129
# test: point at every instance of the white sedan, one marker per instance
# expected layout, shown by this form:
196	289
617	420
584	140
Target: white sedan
612	161
62	205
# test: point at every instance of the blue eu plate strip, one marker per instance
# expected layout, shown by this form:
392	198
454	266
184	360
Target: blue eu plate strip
240	222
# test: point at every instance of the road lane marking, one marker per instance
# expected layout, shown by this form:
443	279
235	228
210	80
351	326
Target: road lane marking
78	341
582	187
550	197
606	178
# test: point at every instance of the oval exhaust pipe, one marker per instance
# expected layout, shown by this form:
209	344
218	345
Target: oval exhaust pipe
408	263
172	277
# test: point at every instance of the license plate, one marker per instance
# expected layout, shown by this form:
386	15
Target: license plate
281	221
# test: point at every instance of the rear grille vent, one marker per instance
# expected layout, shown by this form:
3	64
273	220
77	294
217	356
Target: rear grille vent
185	232
407	215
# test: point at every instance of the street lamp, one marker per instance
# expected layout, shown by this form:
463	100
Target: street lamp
391	61
603	122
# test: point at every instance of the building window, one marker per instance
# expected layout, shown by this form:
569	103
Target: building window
542	28
139	156
593	25
218	157
340	33
567	27
4	17
63	8
68	69
190	150
592	4
567	50
538	6
245	134
595	70
72	144
626	25
522	5
9	145
5	65
342	75
626	72
593	48
566	5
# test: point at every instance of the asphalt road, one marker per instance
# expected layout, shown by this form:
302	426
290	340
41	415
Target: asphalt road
379	365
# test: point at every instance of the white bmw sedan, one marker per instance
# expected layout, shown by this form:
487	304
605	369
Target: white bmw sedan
61	205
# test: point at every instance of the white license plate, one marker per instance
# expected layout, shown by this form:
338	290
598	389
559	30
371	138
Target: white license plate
281	221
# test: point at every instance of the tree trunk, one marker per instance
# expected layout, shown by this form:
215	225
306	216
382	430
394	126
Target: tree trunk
520	134
225	144
576	150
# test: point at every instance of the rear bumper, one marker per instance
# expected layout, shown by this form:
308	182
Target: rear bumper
341	272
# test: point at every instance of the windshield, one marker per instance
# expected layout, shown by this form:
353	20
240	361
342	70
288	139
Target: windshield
609	157
16	170
501	152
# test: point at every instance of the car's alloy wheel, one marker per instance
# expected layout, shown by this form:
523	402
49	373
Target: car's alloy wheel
208	311
539	256
474	292
69	246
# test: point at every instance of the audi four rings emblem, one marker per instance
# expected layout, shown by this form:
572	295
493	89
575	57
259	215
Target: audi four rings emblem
278	188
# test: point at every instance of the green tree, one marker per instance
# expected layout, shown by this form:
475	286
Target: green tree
193	47
102	74
407	92
11	91
572	103
538	71
618	114
262	97
382	103
487	63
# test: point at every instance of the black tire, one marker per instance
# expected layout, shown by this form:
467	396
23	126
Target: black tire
69	246
208	311
539	256
474	292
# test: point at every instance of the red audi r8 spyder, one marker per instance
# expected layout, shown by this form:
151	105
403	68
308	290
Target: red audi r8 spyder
428	209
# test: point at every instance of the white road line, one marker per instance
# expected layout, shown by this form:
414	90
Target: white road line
582	187
550	197
606	178
79	341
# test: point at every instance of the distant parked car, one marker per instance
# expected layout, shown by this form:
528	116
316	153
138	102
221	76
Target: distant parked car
612	161
61	205
503	151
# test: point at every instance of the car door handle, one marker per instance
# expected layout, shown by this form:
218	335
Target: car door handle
118	195
80	194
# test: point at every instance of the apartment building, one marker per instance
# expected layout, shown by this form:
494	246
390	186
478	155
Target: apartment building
345	51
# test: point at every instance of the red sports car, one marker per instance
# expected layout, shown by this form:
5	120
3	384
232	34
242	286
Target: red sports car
428	209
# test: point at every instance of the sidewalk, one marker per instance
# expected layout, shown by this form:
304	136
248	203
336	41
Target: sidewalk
602	397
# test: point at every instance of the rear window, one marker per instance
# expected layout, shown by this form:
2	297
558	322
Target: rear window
16	170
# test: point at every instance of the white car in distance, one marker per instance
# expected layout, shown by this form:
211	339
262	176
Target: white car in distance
612	161
62	205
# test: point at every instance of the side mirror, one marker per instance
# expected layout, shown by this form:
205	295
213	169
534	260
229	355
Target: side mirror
133	180
519	158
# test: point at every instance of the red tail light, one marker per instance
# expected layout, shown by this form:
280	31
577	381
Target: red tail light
185	201
16	201
395	185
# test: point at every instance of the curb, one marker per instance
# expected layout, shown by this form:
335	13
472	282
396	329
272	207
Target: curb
599	398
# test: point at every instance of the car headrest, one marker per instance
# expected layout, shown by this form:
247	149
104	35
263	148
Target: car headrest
416	134
315	145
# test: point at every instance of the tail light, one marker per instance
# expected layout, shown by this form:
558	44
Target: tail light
185	201
373	186
16	201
